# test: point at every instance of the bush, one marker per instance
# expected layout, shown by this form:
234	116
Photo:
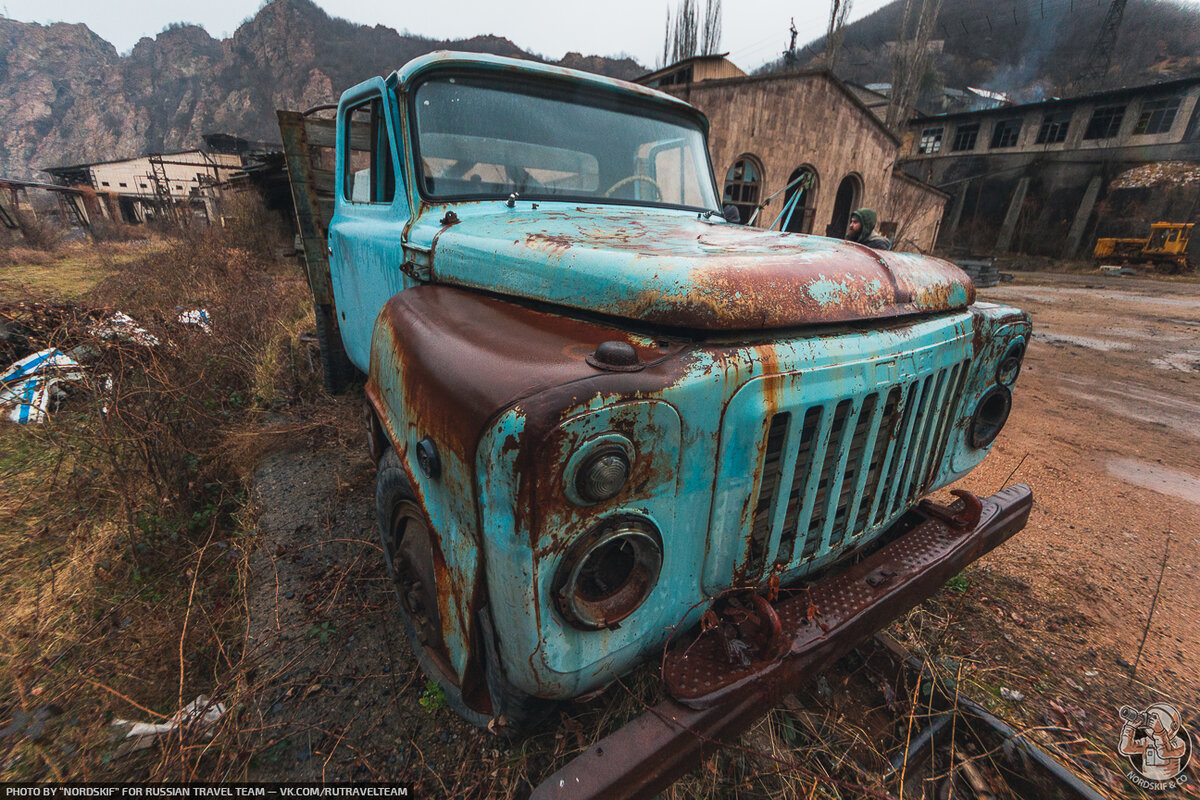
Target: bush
121	517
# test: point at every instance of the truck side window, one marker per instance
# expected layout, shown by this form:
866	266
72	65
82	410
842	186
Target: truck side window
370	176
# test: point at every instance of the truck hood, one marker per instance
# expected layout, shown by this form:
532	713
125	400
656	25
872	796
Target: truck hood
674	269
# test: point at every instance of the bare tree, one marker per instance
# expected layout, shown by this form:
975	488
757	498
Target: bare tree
910	58
688	35
838	11
710	40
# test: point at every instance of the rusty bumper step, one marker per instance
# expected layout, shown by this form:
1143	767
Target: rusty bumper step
715	700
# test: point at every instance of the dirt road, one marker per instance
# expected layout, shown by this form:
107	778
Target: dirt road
1106	428
1107	422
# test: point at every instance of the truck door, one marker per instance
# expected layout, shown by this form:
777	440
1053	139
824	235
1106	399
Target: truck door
370	211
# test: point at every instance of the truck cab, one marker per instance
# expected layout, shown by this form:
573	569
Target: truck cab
600	410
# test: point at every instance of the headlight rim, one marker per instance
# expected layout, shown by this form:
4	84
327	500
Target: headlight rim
981	440
1019	345
603	612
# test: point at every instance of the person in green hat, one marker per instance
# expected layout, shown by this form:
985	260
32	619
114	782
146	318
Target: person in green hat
862	230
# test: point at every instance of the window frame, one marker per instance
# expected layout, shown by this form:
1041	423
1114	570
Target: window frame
930	141
378	133
1000	131
742	184
963	130
1115	118
1166	109
1055	127
549	87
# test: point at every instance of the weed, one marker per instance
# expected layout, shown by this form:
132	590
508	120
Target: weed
322	632
433	697
959	583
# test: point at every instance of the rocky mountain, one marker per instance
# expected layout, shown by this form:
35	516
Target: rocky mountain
1030	49
67	96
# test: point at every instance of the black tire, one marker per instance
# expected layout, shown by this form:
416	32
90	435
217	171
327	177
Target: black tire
393	494
517	711
337	370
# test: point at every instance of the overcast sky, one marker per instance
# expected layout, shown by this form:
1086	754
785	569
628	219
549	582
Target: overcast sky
755	31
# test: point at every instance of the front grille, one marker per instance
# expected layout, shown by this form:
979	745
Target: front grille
859	462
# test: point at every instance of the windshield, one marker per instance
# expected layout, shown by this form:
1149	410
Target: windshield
484	137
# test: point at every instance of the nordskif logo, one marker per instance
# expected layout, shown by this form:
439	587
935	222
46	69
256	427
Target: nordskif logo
1156	744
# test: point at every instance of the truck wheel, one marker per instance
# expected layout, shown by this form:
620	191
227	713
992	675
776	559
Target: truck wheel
408	553
336	368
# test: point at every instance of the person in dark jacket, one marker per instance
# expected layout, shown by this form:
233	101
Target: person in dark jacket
862	230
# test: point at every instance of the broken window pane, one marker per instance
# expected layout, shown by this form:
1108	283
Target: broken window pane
931	140
1054	128
1006	132
742	184
965	136
1105	122
1157	115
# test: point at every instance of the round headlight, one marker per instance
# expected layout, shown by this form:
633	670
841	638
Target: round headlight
1010	365
990	416
602	474
608	572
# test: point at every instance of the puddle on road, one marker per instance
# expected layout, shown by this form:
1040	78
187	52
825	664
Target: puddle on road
1179	362
1136	401
1103	345
1053	294
1156	478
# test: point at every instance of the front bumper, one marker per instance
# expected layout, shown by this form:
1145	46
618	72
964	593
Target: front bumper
715	700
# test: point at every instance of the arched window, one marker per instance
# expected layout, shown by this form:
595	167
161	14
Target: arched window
849	196
743	185
799	201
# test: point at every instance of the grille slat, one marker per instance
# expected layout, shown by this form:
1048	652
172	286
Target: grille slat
884	437
937	419
808	435
835	528
919	445
760	535
835	471
835	445
873	409
912	413
958	381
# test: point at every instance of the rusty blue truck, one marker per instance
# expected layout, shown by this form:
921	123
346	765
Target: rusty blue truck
611	425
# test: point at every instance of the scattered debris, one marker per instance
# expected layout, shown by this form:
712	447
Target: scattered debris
1011	694
121	326
1160	173
201	713
982	271
198	317
30	385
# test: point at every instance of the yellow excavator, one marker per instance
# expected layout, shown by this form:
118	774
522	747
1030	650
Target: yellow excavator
1166	248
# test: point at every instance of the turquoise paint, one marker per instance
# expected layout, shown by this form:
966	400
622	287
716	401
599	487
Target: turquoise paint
701	436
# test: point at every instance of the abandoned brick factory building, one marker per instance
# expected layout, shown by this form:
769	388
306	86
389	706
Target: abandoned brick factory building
809	131
1048	178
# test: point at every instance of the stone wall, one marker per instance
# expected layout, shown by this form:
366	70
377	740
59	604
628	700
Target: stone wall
810	120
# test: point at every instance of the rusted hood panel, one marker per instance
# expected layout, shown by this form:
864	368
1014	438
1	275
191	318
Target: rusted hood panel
672	269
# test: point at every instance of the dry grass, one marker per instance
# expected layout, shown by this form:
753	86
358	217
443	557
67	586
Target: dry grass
124	525
69	271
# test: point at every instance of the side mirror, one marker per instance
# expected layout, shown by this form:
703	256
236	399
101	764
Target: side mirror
731	213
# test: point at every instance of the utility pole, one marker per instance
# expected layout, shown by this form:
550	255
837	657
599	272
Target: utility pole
1101	57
